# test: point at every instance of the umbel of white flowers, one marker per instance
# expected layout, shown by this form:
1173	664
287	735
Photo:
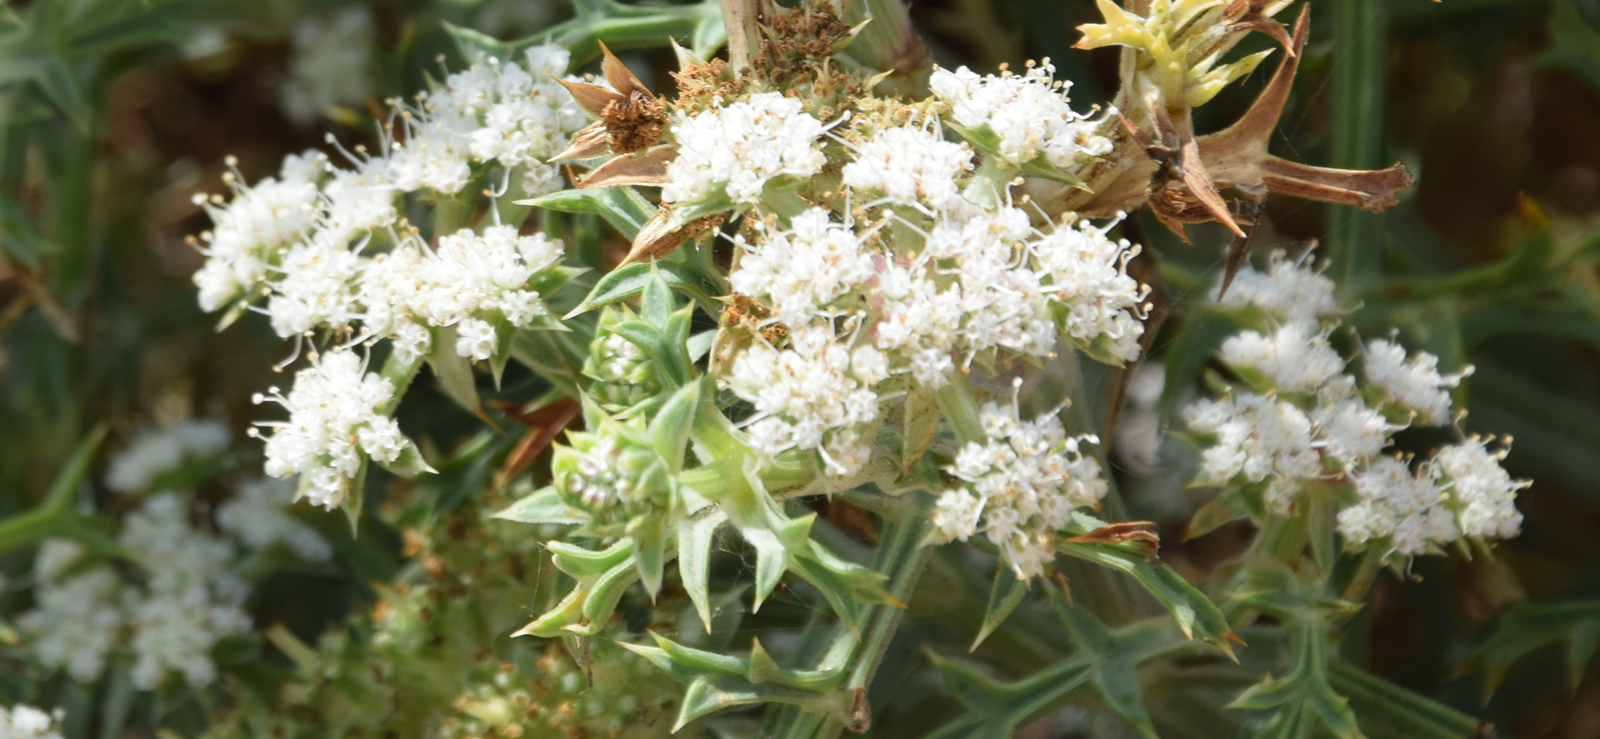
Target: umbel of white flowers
189	593
1300	417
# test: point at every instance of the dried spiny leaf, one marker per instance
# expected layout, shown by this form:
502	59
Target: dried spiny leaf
645	169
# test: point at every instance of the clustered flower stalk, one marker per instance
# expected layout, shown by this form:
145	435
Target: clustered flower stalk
886	272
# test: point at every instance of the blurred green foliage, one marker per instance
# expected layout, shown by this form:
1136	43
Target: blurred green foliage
114	112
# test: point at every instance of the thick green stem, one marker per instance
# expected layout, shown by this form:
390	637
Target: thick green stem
69	158
1355	237
903	558
1366	573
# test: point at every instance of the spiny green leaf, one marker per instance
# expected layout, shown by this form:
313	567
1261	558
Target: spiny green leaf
1526	627
602	600
649	533
453	371
676	269
543	507
669	430
695	536
39	522
585	563
622	207
1004	596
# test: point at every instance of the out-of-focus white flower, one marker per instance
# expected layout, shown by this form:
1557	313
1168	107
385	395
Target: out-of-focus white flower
75	622
257	516
27	722
1024	481
328	65
334	418
191	599
154	452
737	148
1414	384
1028	113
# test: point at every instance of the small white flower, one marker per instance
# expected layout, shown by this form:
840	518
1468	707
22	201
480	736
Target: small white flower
910	165
1289	291
1407	508
257	516
477	339
1025	480
155	452
332	402
1415	384
1257	437
1028	113
737	148
1485	491
27	722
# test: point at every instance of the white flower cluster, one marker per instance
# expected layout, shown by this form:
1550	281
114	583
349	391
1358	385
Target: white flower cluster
27	722
909	166
500	111
1289	290
815	394
471	281
735	149
76	620
1304	419
189	600
1022	485
334	418
154	452
256	516
1415	383
328	65
248	233
300	236
1461	491
1028	114
598	480
861	309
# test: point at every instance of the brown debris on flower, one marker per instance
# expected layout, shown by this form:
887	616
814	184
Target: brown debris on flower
1181	176
631	118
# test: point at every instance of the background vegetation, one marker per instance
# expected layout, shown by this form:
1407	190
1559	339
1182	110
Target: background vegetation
116	112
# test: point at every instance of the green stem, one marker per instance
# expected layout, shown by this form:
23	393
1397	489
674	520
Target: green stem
69	161
902	557
47	518
1355	591
1355	238
960	408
